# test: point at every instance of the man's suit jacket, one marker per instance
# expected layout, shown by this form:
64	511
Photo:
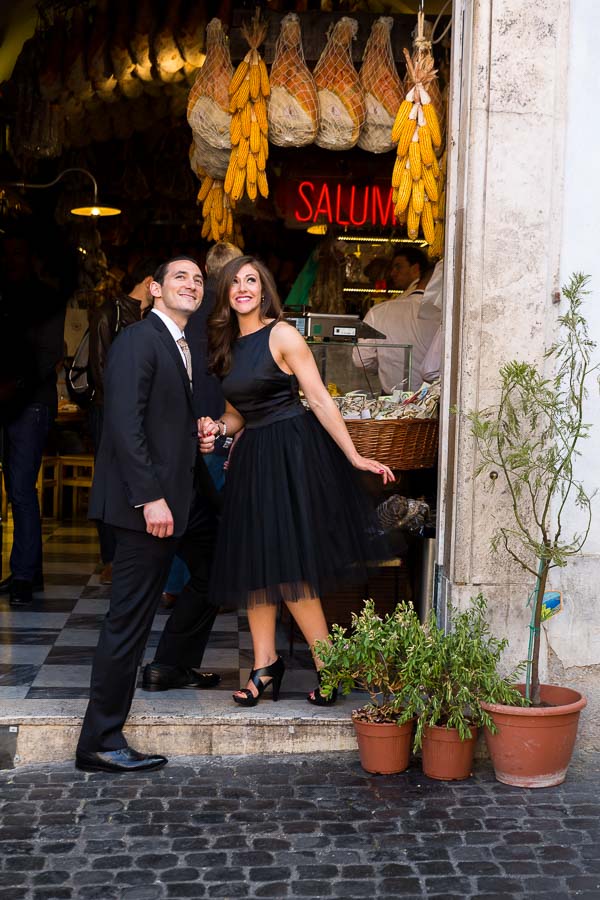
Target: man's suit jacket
149	446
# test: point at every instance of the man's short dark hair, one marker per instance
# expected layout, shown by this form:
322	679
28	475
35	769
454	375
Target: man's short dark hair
415	257
161	271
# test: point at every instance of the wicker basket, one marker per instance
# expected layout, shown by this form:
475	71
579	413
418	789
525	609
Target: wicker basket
399	443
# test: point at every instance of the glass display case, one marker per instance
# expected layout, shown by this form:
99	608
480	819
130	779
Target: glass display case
335	362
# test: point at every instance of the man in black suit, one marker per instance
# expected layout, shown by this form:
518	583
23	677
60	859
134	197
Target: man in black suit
152	487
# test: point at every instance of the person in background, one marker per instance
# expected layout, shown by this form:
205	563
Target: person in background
32	319
399	319
408	268
433	359
376	272
431	306
208	396
116	313
150	484
295	517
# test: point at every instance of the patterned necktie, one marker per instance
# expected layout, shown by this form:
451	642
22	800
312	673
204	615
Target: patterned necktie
183	344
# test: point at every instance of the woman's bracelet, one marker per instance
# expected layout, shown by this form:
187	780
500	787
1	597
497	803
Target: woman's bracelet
222	428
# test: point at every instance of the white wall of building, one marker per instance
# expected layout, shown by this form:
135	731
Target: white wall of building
524	203
574	638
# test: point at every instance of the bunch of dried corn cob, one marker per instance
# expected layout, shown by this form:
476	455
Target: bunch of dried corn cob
416	132
436	247
216	210
218	223
248	93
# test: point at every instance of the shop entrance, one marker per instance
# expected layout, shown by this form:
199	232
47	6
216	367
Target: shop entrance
118	105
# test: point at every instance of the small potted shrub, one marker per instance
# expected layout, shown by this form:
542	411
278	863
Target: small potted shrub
375	656
457	671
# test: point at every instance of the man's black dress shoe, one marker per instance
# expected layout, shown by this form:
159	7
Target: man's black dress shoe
164	678
125	760
7	583
21	592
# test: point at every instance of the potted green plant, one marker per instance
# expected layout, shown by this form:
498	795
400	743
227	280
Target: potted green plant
529	443
375	656
458	671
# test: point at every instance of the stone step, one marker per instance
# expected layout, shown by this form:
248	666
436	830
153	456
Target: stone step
181	723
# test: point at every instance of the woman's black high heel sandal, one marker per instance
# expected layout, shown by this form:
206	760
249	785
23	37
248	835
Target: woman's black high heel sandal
275	671
318	699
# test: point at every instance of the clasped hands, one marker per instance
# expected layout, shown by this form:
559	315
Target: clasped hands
208	430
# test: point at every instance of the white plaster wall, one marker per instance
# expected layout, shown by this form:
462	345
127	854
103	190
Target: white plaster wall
529	214
513	155
574	636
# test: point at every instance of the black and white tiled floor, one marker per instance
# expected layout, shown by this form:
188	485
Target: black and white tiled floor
46	649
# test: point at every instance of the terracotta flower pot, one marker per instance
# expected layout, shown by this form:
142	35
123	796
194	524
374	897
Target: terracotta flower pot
533	746
445	756
384	748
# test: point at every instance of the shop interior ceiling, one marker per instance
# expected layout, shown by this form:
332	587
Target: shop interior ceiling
104	85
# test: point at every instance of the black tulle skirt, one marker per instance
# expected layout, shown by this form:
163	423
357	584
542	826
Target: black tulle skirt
296	520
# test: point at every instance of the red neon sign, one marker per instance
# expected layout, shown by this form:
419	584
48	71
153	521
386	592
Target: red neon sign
341	203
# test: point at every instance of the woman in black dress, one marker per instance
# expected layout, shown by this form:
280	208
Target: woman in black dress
295	519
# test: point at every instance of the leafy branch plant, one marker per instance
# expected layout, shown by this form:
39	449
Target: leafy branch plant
459	670
532	438
376	656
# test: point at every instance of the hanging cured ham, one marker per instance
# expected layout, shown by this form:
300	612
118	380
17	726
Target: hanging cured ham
99	65
191	33
341	98
50	78
140	40
208	104
383	89
293	112
122	62
169	61
76	76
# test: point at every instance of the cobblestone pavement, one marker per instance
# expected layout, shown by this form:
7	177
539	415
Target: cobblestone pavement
295	827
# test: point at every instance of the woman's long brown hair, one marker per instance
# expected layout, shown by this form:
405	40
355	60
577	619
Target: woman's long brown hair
223	328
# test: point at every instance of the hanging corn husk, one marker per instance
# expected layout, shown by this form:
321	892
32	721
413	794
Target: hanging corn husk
382	87
208	103
422	57
341	98
248	94
293	106
416	132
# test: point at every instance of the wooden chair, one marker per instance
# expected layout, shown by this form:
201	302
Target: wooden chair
76	472
3	498
387	583
48	485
